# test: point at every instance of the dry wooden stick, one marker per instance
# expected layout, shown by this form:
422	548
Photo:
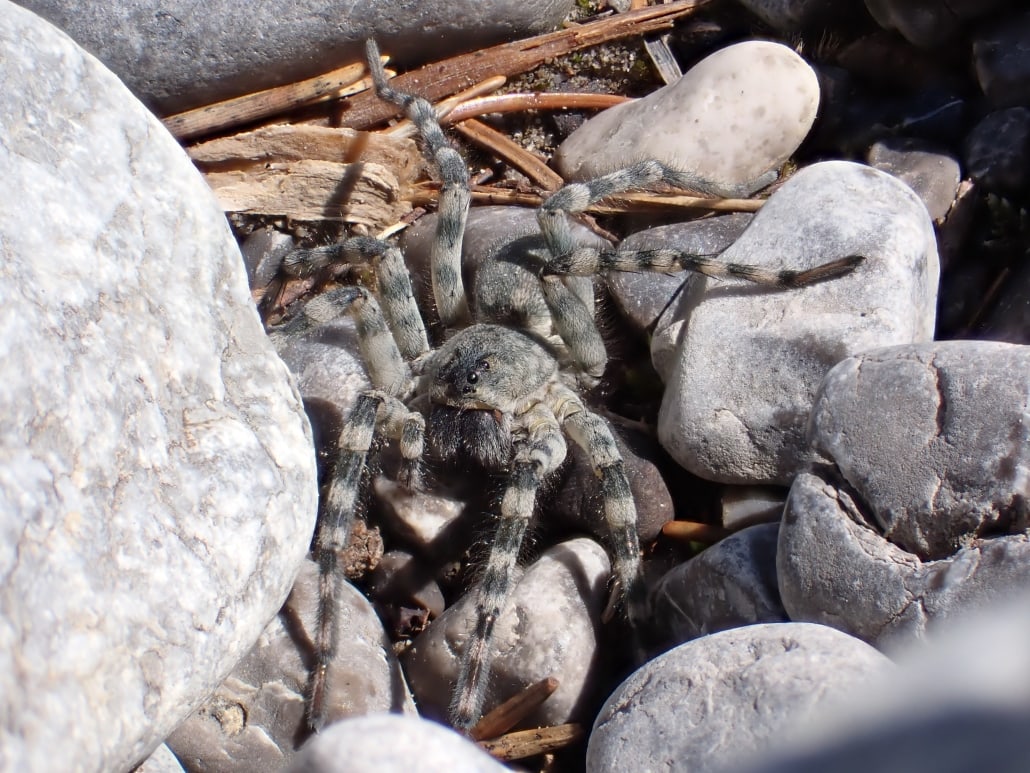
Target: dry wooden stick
343	81
511	152
689	531
529	743
517	102
514	710
625	202
441	79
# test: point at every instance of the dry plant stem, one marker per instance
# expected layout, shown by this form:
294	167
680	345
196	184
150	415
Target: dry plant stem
522	101
986	302
514	710
625	203
441	79
509	151
343	81
529	743
445	107
689	531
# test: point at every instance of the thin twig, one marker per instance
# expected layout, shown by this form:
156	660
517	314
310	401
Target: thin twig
511	152
518	102
514	710
441	79
342	81
624	203
446	107
529	743
689	531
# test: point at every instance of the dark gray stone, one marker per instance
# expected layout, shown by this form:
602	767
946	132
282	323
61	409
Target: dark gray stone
730	584
931	172
744	506
929	23
998	151
263	253
795	15
716	700
254	720
578	501
493	237
1001	55
157	472
178	57
648	300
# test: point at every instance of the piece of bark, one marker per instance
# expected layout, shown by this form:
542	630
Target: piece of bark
340	174
364	193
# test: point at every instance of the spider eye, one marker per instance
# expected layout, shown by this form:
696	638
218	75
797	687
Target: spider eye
484	365
467	390
472	377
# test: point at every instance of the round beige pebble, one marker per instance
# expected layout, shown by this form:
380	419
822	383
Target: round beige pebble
734	116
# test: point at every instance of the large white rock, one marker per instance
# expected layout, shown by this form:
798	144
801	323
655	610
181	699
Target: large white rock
157	478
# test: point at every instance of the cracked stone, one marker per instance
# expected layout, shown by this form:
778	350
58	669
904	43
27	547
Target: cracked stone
920	509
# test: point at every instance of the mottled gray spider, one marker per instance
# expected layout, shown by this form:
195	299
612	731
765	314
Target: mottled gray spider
499	393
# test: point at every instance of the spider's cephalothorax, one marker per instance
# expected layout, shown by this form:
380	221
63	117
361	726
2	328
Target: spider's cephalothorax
492	395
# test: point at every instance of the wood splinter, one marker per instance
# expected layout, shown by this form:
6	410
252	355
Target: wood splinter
514	710
530	743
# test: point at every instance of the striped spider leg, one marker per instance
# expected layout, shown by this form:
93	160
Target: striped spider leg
570	258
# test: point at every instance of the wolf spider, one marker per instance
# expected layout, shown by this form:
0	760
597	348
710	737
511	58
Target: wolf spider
501	393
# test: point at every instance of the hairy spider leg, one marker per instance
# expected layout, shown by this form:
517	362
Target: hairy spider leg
374	412
539	449
569	257
455	195
590	432
379	411
398	301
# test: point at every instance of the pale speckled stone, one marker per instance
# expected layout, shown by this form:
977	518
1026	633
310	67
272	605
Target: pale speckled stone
157	479
751	359
731	118
548	627
387	742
